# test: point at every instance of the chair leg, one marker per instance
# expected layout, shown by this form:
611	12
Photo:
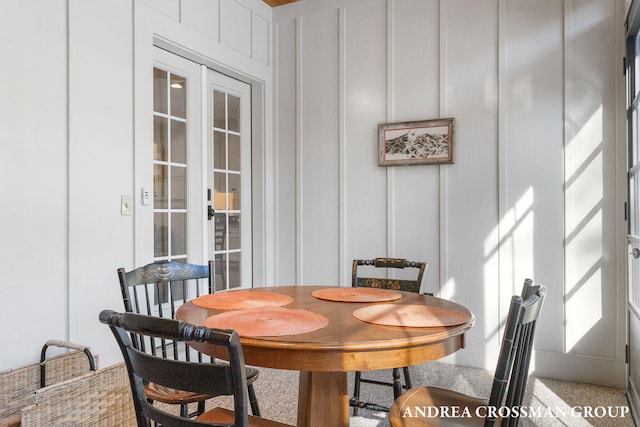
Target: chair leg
407	378
184	410
200	410
253	401
356	393
397	384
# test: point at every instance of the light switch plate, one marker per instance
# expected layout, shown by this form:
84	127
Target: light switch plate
126	205
145	196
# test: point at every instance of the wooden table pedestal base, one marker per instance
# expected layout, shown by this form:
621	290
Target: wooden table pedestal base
319	391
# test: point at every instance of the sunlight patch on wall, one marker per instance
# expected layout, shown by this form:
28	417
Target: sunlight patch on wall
584	143
515	235
511	246
584	281
448	290
584	191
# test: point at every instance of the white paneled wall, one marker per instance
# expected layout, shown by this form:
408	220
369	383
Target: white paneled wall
470	188
100	164
33	167
535	88
318	166
72	108
364	100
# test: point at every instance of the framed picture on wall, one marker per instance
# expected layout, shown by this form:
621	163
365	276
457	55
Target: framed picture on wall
426	142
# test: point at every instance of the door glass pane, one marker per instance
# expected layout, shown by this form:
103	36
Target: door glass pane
161	235
234	270
178	142
226	174
234	113
220	269
219	113
160	186
234	231
160	140
234	192
220	191
160	91
219	150
220	245
178	234
170	166
178	188
178	96
234	153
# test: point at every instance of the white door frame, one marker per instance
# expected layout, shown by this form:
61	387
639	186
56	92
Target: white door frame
152	29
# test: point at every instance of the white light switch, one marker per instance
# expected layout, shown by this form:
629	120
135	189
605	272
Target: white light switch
126	205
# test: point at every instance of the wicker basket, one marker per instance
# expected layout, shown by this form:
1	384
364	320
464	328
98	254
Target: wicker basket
17	386
70	384
101	399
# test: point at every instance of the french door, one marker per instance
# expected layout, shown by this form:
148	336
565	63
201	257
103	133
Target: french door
228	179
633	172
201	156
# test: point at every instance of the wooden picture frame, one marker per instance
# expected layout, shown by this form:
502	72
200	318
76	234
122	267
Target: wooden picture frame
425	142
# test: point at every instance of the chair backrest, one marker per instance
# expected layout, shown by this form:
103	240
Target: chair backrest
388	283
210	379
510	379
159	289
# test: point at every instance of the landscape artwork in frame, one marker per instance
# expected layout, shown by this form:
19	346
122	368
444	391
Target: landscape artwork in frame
427	142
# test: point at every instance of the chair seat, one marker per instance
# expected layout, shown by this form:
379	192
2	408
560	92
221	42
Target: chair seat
172	396
252	374
405	412
222	415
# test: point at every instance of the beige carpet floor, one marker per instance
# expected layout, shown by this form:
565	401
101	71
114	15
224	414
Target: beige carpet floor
278	390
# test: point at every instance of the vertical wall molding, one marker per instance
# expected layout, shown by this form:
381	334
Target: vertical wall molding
390	118
343	262
504	277
569	134
67	237
299	148
204	130
442	272
276	182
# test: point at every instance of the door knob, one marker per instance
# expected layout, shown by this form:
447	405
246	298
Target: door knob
635	252
210	212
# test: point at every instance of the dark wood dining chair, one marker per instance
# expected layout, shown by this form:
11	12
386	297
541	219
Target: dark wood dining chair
408	285
509	383
159	289
211	379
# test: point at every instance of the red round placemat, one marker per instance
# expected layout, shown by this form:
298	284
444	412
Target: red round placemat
356	294
236	300
268	321
412	315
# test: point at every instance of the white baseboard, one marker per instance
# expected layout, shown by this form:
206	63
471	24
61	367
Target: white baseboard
566	367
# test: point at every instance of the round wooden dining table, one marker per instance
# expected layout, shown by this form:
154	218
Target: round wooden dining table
345	344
